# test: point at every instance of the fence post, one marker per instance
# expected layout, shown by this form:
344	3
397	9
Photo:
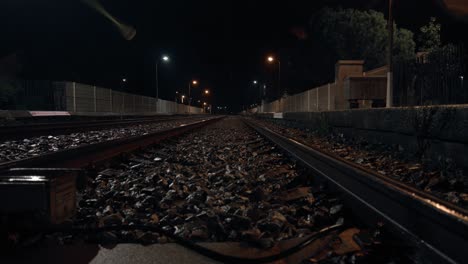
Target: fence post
308	100
95	105
111	101
329	99
318	89
123	103
74	96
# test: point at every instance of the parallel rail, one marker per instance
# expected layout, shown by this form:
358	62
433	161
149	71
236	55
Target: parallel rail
88	155
30	130
438	228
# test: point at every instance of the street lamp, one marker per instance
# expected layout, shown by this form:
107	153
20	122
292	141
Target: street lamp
183	96
164	58
271	60
207	91
255	82
464	92
389	93
124	80
193	82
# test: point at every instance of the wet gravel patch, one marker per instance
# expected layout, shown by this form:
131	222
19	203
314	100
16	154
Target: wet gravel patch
443	179
29	147
221	183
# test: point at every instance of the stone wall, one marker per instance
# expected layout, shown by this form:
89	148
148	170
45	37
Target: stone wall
444	129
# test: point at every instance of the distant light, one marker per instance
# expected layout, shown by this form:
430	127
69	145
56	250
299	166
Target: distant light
207	92
204	103
177	92
255	82
194	82
183	96
165	58
461	77
124	80
270	59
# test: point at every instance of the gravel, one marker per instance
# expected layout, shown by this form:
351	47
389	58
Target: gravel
221	183
30	147
443	179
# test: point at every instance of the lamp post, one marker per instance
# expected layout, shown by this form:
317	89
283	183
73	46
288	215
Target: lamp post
462	88
183	96
255	83
206	93
164	58
194	82
389	102
271	59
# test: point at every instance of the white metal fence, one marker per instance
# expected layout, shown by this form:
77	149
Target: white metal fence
77	97
323	98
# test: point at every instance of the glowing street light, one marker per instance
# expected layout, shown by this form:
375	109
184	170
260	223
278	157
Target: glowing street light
255	82
207	92
271	59
124	80
193	82
164	58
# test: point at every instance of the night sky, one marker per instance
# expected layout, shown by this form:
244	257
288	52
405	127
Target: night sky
221	43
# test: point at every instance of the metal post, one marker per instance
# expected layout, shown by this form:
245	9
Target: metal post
189	98
329	98
123	105
95	103
308	100
279	77
389	53
318	99
111	101
157	87
74	96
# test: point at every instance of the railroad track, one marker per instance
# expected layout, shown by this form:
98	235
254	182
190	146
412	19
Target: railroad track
55	128
92	154
436	226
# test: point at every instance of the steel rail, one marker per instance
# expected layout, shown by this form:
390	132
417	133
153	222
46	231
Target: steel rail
88	155
438	228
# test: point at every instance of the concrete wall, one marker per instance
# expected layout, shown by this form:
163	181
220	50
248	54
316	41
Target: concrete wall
85	98
447	130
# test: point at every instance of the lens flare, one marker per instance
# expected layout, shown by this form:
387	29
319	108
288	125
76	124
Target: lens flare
128	32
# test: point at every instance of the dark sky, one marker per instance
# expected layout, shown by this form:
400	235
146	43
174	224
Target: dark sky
221	43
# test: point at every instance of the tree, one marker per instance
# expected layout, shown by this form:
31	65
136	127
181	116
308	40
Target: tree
353	34
429	36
